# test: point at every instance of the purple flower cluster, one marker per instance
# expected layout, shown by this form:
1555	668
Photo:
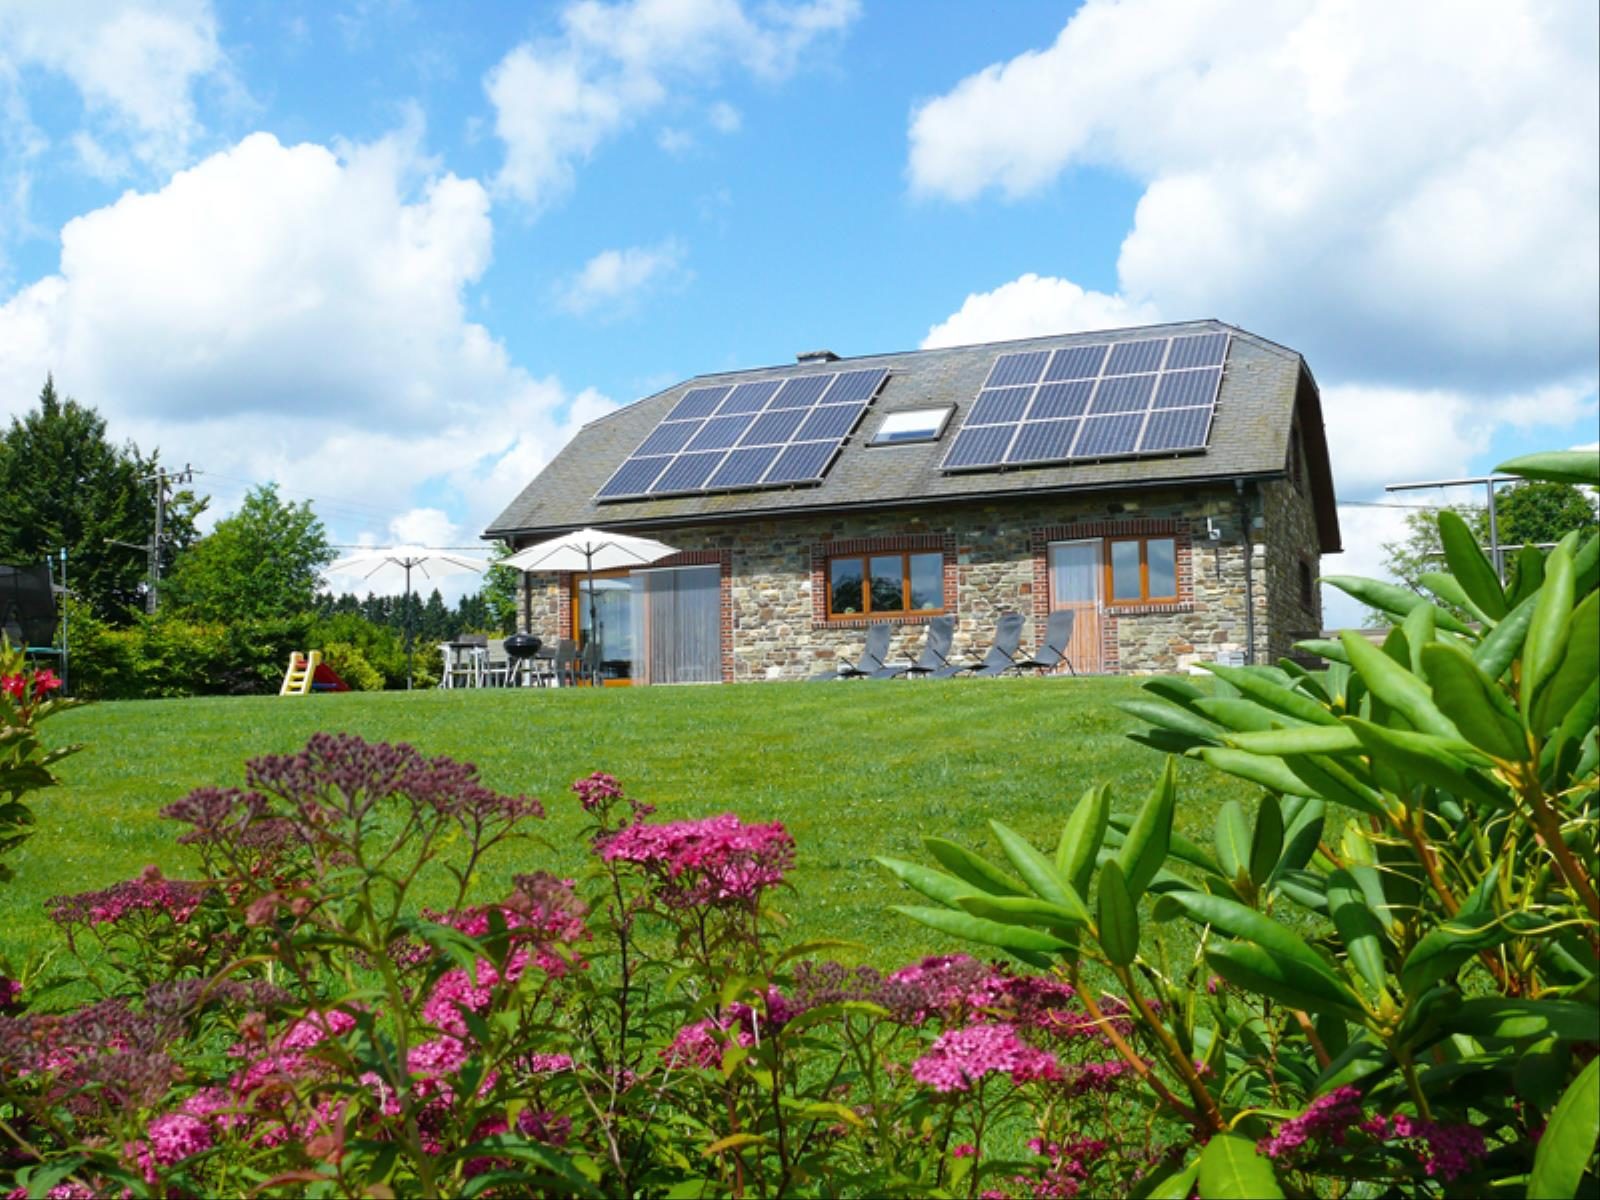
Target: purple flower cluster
149	893
1327	1117
10	995
715	861
597	791
1068	1168
1447	1151
961	1057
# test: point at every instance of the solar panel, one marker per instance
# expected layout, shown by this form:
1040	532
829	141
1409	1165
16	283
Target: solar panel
1150	395
761	433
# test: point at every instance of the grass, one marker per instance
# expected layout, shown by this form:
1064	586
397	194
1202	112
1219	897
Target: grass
853	770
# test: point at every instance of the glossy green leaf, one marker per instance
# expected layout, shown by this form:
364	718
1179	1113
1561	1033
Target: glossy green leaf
1427	760
1178	846
977	929
1176	1183
1556	466
1397	687
1420	630
1586	567
1267	771
1024	910
1302	739
1450	591
1037	871
976	870
1474	703
1232	1169
1576	671
1118	917
1392	599
1269	693
1470	566
935	885
1232	839
1327	778
1252	969
1303	819
1240	921
1144	848
1547	632
1568	1144
1165	715
1266	844
1501	646
1511	1019
1359	930
1242	716
1305	888
1081	838
1174	688
1327	648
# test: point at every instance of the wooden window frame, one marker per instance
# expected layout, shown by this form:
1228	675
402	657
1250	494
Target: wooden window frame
1144	597
867	611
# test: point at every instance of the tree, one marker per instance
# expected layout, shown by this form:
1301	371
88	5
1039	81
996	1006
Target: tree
1541	513
261	563
66	485
501	586
1421	550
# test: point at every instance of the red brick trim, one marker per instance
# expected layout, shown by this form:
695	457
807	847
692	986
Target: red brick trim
1182	533
821	552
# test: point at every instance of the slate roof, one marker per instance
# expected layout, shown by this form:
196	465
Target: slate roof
1261	384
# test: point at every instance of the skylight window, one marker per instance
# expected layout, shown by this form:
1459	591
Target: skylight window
912	425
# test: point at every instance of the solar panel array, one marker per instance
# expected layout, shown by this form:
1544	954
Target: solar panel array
765	433
1151	396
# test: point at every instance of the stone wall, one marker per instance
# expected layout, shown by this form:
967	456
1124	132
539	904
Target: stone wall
995	559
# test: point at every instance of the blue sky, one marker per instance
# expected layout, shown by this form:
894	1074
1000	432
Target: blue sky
390	254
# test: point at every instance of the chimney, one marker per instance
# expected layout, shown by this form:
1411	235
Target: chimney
816	356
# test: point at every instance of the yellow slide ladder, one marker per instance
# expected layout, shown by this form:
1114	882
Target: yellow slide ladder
302	668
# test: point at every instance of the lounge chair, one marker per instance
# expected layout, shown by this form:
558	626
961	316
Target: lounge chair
1052	652
1002	655
870	665
935	649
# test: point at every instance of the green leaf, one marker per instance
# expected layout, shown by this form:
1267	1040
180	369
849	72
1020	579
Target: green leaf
1165	715
1231	1169
1427	760
1391	598
1242	716
1510	1019
1529	574
1304	819
935	885
1265	770
1175	1183
1081	838
1470	566
977	929
734	1141
1396	686
1474	703
979	872
1576	671
1503	643
1556	466
1303	739
1326	778
1568	1142
1232	839
1023	910
1547	633
1145	847
1326	648
1270	694
1252	969
1036	870
1359	930
1446	588
1267	843
1119	919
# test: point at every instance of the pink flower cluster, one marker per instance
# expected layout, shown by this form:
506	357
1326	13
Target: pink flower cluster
170	1139
149	893
10	995
702	1043
1068	1168
1327	1117
1447	1151
961	1057
596	790
718	860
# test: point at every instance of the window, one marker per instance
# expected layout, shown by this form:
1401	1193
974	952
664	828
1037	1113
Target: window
1142	569
886	584
1297	460
913	425
1307	587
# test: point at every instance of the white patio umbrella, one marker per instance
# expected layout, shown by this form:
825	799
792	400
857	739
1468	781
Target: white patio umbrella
589	550
387	565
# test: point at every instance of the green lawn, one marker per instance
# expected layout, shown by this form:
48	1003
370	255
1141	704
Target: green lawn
853	770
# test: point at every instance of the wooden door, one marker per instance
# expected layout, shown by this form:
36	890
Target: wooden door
1076	579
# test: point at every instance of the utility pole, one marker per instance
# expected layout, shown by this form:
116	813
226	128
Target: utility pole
162	479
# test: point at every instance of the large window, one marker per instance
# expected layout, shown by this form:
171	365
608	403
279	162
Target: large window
890	584
1142	569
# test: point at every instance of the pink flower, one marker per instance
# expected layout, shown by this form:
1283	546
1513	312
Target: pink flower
15	686
701	1044
596	790
964	1150
960	1057
149	893
1327	1117
718	860
45	680
547	1064
315	1027
546	1127
177	1136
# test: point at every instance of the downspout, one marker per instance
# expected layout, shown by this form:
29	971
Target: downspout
1249	577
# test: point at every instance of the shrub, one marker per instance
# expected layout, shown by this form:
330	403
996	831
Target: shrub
352	666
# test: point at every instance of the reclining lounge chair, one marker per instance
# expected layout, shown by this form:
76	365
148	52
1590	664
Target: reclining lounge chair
1002	655
935	649
871	664
1052	652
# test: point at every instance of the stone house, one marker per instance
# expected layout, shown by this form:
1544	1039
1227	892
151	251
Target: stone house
1170	484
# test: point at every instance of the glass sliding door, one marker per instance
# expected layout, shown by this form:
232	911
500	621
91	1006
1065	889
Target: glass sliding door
607	648
677	625
1077	574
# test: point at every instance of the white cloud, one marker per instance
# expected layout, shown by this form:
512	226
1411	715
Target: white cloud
1034	306
134	62
674	140
425	527
1405	192
292	314
556	101
724	117
614	279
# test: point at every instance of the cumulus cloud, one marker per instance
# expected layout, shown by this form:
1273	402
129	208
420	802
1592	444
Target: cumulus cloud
1406	193
614	279
295	314
557	100
1035	306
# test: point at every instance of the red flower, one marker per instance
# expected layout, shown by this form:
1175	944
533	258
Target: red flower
45	681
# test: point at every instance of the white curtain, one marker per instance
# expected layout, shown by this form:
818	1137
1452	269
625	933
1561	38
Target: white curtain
677	625
1075	573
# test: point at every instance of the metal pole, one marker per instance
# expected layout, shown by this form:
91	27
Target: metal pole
65	621
594	619
155	543
1494	535
406	600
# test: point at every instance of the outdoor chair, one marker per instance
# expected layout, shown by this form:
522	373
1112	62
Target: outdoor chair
496	671
935	649
871	664
564	667
1052	652
1002	655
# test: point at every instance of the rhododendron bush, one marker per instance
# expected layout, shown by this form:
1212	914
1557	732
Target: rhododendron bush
293	1020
